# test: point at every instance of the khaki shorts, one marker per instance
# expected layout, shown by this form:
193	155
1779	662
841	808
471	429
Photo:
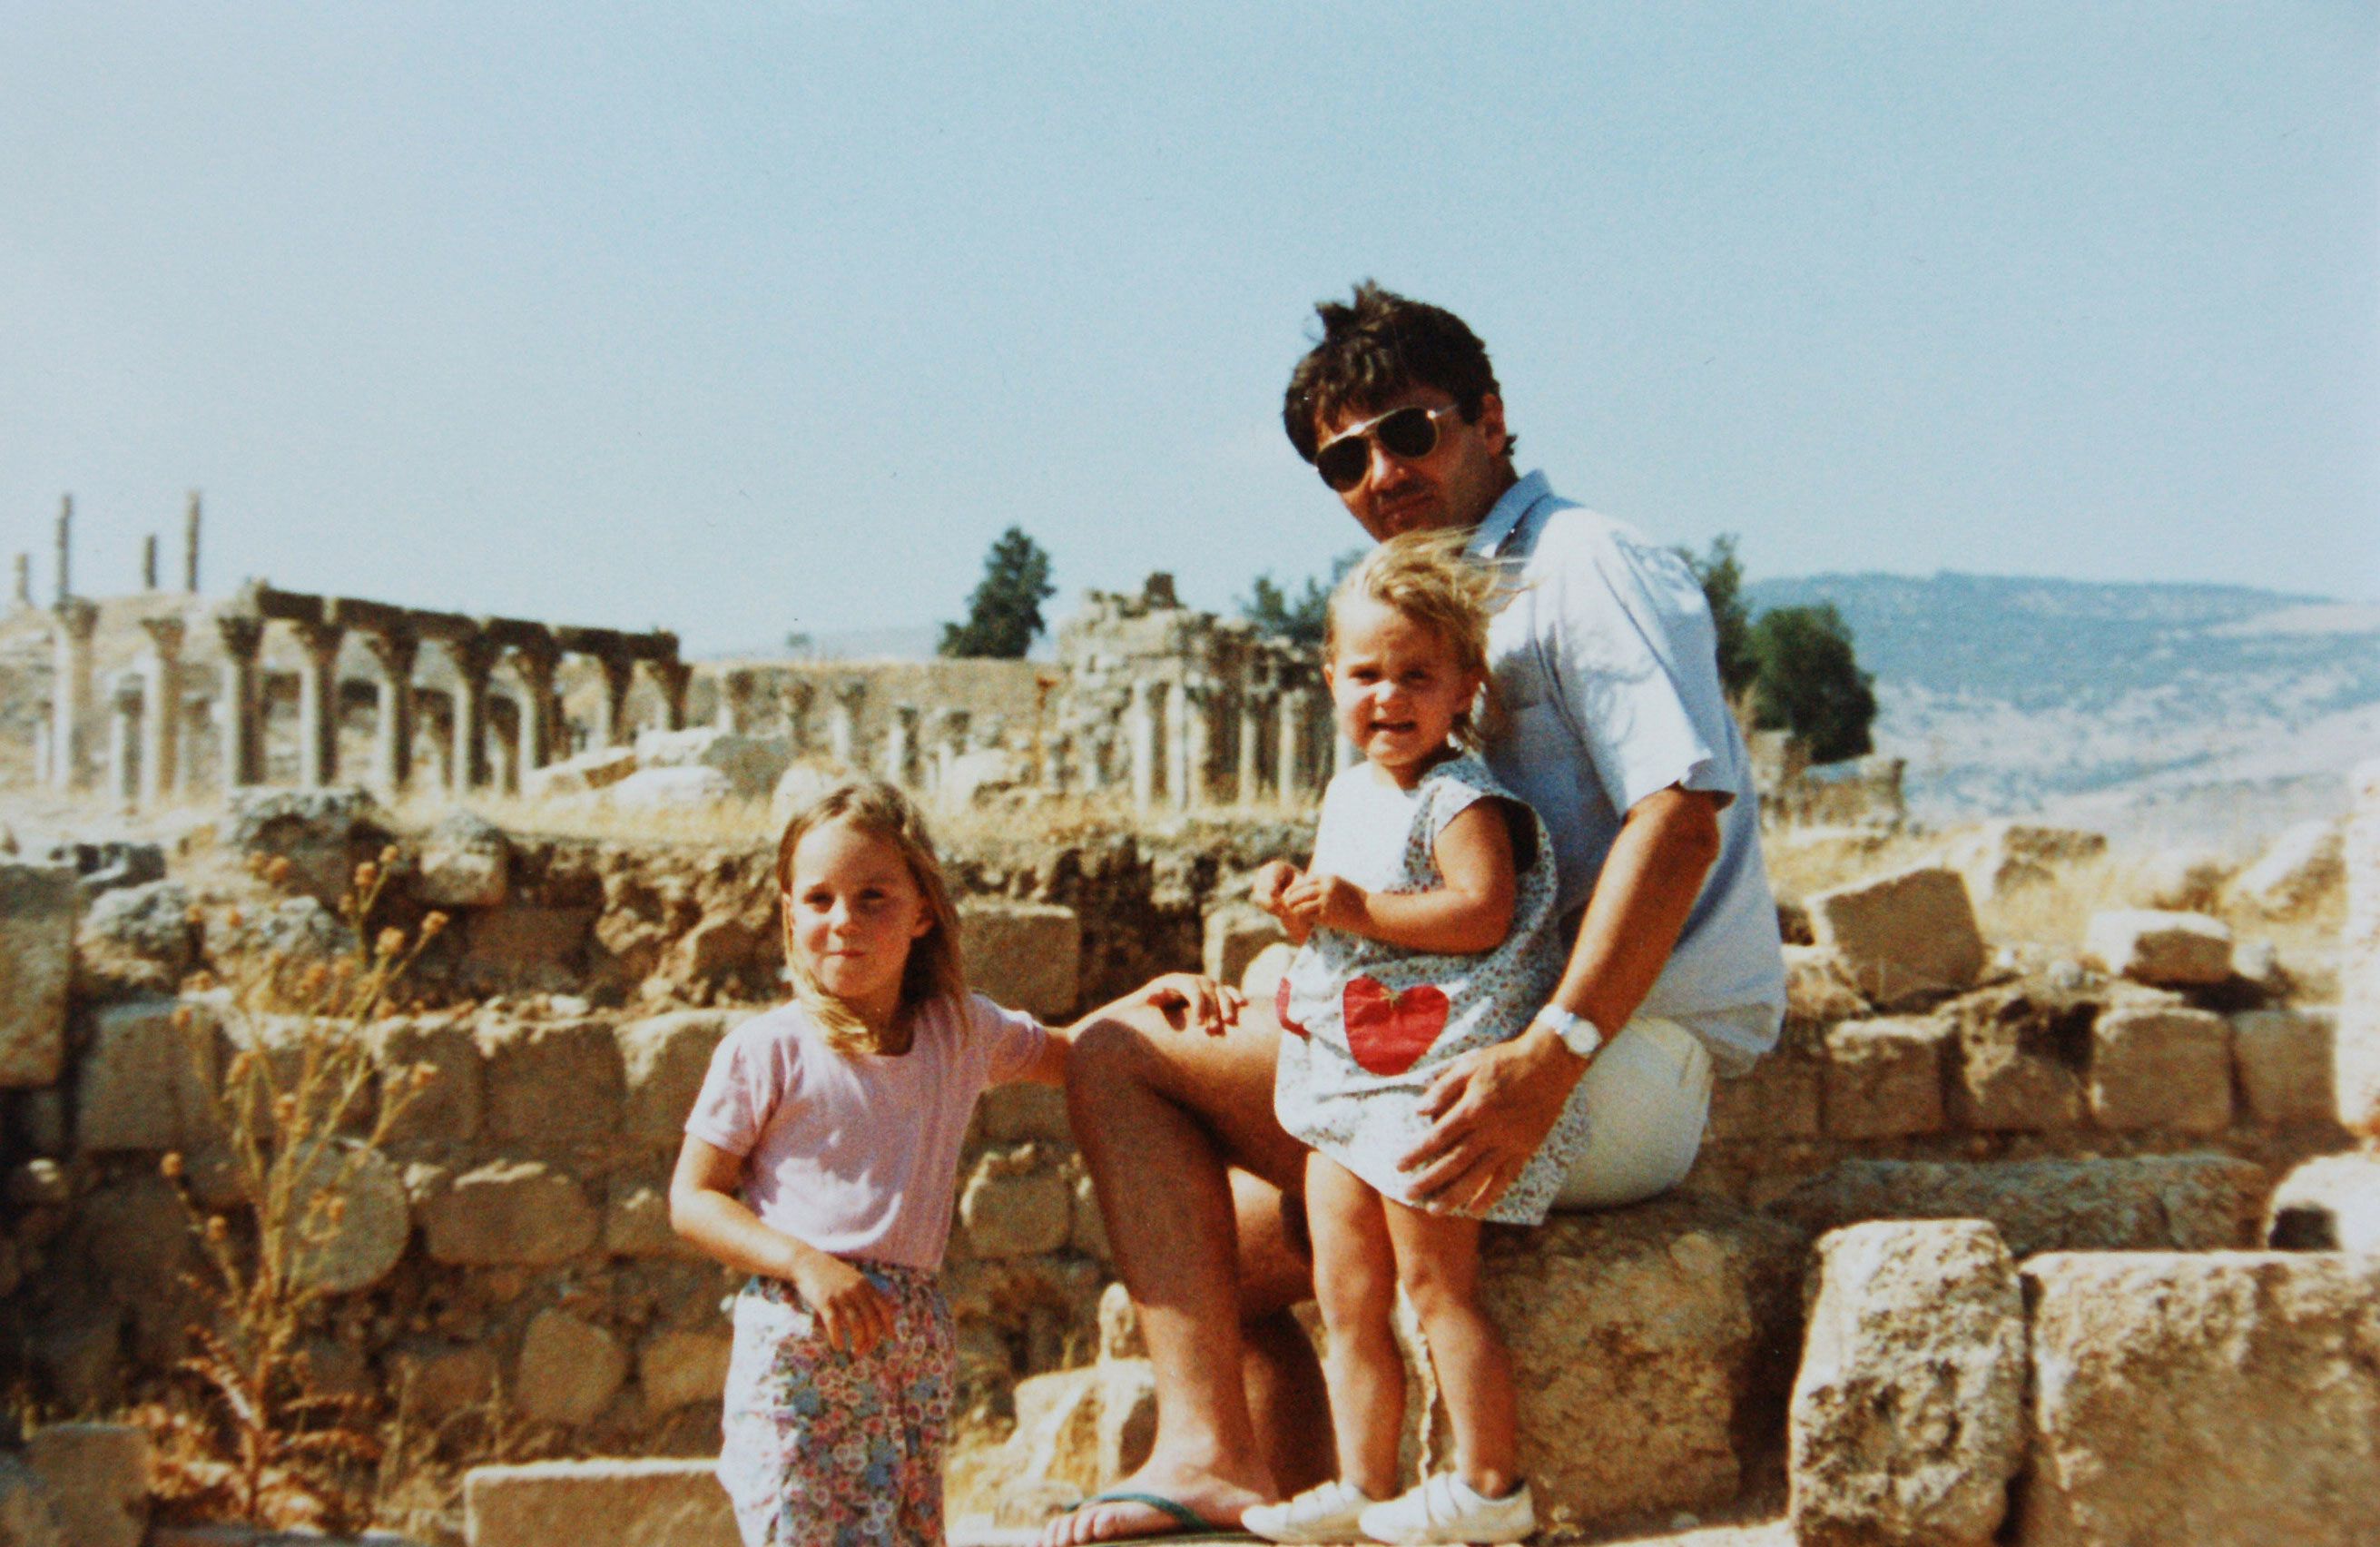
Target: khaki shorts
1648	1096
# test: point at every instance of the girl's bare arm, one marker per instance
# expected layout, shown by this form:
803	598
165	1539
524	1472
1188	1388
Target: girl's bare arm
704	1208
1472	910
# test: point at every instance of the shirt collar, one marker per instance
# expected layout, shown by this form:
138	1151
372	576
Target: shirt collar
1489	537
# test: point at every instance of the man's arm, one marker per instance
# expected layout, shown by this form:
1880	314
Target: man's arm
1493	1108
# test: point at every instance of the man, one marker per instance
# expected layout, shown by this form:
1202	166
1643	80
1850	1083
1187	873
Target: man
1615	729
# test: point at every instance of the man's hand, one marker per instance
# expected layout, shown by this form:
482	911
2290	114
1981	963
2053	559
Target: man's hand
1491	1109
1328	901
1194	999
855	1313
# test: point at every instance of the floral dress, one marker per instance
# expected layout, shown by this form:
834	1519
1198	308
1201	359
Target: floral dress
1367	1025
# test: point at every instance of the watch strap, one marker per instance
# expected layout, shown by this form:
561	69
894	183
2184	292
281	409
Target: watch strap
1579	1034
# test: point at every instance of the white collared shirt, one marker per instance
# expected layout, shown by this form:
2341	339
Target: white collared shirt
1606	664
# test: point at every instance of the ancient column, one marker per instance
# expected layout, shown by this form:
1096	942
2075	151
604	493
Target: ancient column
393	653
318	704
1093	743
190	545
474	656
503	742
239	704
671	678
65	547
149	562
950	744
733	712
42	777
612	704
843	722
70	695
1197	743
1289	744
1251	748
540	720
1177	745
193	735
124	737
24	579
433	710
1140	733
901	746
161	736
794	701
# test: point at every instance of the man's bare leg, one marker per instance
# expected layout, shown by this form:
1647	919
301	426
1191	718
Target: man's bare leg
1161	1117
1287	1403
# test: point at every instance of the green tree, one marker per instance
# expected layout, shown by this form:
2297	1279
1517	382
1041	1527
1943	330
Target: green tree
1721	578
1809	681
1004	613
1298	619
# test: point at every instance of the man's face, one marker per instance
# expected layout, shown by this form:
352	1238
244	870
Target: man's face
1453	486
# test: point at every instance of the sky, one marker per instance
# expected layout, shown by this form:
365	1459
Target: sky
745	319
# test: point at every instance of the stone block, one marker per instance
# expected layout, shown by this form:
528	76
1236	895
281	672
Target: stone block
2146	1203
2303	866
138	937
352	1220
509	1213
1779	1098
38	909
1120	1325
2224	1400
1026	956
2188	878
1016	1205
680	1368
1020	1113
323	834
578	776
2152	946
524	945
466	861
2018	1063
437	1380
1904	937
148	1083
2355	1057
636	1222
2327	1205
751	764
2161	1068
552	1084
2003	858
1907	1418
29	1516
597	1504
1818	988
1653	1347
662	1062
1883	1078
431	1068
568	1369
1234	934
97	1479
661	790
2284	1059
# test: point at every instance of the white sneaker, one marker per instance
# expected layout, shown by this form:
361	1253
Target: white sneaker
1446	1508
1327	1512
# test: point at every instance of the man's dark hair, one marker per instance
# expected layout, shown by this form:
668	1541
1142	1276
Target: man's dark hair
1375	348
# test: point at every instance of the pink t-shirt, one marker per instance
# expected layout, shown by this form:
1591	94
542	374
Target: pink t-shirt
858	1154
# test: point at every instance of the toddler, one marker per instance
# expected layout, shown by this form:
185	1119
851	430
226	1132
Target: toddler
821	1157
1425	931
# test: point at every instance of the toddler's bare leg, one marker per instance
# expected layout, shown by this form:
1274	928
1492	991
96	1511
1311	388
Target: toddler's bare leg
1355	1285
1437	1262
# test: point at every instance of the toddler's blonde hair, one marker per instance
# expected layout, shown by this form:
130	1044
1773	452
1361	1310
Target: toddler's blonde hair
935	969
1428	577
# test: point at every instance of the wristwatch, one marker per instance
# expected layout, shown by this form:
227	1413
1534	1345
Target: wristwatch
1579	1034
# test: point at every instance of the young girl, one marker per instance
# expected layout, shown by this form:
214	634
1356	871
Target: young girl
821	1157
1425	930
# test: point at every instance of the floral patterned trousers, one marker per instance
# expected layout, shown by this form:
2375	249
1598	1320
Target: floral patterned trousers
824	1449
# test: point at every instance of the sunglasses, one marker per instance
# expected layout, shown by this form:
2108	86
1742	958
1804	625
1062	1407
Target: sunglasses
1407	434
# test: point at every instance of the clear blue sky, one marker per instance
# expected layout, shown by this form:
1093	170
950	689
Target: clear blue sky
739	319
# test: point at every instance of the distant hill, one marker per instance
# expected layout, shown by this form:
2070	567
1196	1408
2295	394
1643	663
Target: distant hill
2215	711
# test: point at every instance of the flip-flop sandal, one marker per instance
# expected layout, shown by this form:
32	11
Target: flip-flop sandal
1187	1522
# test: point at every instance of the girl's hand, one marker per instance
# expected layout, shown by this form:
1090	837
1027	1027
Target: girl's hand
855	1314
1329	901
1273	878
1194	999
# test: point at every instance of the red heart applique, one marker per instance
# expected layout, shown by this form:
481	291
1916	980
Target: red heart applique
1281	1008
1387	1032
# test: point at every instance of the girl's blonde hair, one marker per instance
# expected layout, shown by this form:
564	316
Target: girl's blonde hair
935	969
1428	577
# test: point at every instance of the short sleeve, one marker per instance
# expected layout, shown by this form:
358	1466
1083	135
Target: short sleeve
1011	1041
1636	663
748	1073
1454	788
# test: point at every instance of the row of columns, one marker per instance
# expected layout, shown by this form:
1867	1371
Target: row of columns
1168	730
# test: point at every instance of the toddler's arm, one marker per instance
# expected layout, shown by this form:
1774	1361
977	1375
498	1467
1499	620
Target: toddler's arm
1271	884
1471	911
705	1210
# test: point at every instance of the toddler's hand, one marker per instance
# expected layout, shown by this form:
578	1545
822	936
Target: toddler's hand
856	1315
1330	901
1194	999
1273	878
